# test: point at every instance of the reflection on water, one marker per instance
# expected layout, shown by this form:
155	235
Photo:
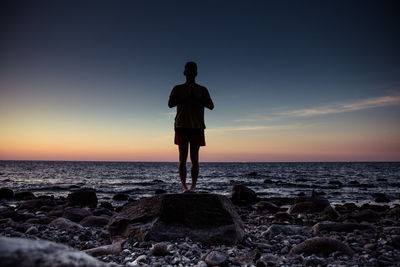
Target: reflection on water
340	181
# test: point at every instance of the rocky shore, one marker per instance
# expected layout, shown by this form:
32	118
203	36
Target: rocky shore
297	231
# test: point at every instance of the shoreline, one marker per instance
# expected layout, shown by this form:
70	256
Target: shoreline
270	233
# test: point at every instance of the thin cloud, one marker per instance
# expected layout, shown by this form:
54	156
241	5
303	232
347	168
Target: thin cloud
251	128
369	103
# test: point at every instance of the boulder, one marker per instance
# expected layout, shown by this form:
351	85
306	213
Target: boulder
285	230
32	253
207	218
215	258
113	249
94	221
83	197
308	205
339	227
321	246
62	223
243	195
31	204
121	197
76	214
24	195
6	193
367	215
267	206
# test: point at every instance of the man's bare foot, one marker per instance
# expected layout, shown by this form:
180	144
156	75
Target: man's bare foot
185	190
192	190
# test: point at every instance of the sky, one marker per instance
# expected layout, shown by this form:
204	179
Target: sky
290	80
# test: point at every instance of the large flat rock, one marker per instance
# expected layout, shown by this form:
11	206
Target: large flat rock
32	253
207	218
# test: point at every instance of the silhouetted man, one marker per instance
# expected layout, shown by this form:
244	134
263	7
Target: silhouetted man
190	100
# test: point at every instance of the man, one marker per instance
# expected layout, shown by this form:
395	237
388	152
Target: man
190	100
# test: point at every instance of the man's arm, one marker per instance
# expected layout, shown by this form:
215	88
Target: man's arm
207	102
173	100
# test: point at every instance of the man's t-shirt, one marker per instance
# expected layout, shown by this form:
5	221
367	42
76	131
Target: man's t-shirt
190	100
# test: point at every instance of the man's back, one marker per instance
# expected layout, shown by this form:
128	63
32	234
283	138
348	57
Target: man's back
190	100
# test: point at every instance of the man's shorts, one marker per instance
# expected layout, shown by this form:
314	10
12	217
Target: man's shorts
183	136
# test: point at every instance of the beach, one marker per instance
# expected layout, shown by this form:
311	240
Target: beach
304	228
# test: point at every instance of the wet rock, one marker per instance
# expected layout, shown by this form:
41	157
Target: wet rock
366	215
102	211
334	182
215	258
267	206
94	221
354	182
32	230
160	249
32	253
12	214
340	227
207	218
6	193
268	181
285	230
382	199
160	191
243	195
112	249
283	216
369	246
268	260
24	195
63	223
106	205
252	174
121	197
83	197
321	246
76	214
330	212
31	204
314	262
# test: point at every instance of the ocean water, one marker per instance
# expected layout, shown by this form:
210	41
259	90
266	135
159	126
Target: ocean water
337	180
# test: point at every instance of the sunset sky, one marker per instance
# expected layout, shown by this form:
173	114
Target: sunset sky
290	80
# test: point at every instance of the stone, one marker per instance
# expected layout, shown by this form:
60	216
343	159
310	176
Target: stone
160	191
282	216
215	258
369	246
76	214
24	195
266	205
121	197
366	215
243	195
35	253
207	218
94	221
112	249
339	227
83	197
160	249
31	204
106	205
6	193
330	212
308	205
252	173
32	230
321	246
285	230
63	223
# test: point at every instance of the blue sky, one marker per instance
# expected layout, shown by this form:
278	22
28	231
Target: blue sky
110	65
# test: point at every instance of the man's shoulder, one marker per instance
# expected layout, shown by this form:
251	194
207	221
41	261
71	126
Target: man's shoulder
202	87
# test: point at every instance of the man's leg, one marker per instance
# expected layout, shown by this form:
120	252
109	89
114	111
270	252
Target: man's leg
194	158
183	153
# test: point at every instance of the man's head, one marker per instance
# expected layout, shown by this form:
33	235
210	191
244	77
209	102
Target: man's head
190	70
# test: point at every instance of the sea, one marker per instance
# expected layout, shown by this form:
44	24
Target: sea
358	182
